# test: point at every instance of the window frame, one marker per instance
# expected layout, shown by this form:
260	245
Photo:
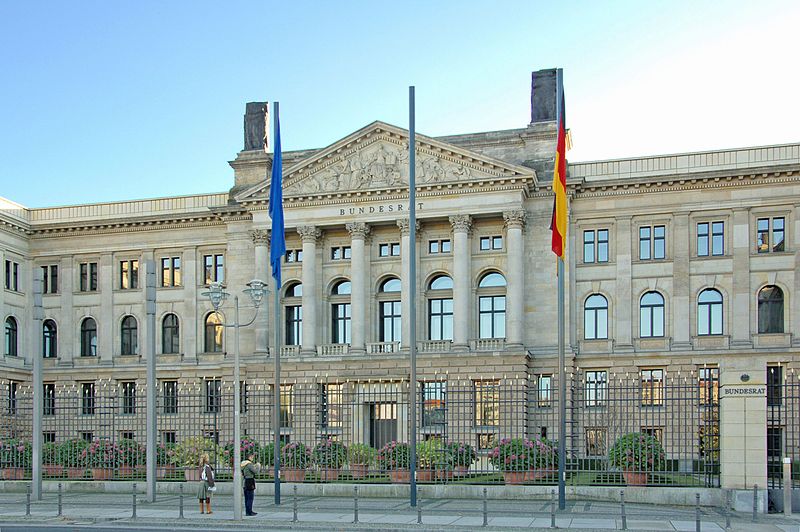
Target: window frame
770	312
49	279
128	274
652	387
88	398
651	244
49	339
213	267
710	306
768	235
595	312
392	249
651	310
486	403
708	385
128	398
171	274
169	396
88	276
213	396
170	334
88	337
129	336
595	386
11	337
217	346
434	406
12	275
493	243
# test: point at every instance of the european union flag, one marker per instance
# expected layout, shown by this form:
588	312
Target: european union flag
278	240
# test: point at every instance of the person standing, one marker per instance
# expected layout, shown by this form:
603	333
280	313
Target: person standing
207	484
250	469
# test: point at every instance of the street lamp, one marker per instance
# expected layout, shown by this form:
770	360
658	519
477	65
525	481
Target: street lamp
217	295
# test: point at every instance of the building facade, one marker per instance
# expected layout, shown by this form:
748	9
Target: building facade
681	268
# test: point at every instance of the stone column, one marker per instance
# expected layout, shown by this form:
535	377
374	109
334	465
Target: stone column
263	271
624	299
309	234
107	321
515	285
741	300
682	304
405	278
358	281
462	277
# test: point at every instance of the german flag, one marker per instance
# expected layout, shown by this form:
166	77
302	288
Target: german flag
558	224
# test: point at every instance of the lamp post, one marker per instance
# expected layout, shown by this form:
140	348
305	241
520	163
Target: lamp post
217	295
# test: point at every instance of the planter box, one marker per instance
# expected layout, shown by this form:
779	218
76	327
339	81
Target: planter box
13	473
191	474
75	473
329	474
514	477
359	471
167	471
293	475
53	470
539	474
460	471
425	475
633	478
102	474
400	476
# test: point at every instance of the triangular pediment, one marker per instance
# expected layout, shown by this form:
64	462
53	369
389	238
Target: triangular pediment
375	159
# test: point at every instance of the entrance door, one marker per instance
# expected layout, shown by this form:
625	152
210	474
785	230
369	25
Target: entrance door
382	424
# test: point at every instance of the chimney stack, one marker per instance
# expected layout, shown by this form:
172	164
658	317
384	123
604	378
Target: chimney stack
255	125
543	96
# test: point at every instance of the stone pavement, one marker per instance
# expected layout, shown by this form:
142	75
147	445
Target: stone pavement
88	510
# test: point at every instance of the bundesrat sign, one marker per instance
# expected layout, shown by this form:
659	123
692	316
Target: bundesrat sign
743	390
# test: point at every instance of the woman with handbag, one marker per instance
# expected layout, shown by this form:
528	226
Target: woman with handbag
249	471
207	484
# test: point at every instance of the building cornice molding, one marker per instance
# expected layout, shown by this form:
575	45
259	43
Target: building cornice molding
126	226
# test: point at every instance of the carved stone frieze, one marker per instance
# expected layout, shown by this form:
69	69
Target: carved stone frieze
309	233
358	230
515	218
461	223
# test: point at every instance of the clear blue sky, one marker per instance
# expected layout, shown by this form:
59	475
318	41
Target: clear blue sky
103	101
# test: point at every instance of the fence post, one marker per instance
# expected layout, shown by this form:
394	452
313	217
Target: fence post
28	501
728	503
755	502
419	506
485	509
133	505
787	486
622	509
697	512
355	504
59	499
180	501
294	504
552	508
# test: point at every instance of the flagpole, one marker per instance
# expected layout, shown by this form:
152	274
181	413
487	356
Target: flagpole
412	287
562	378
276	355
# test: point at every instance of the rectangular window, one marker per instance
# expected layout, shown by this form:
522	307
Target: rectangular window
434	396
709	386
710	239
213	396
389	249
595	246
48	436
213	269
169	437
487	403
652	387
87	436
602	245
128	397
50	279
294	255
655	432
488	243
774	385
171	272
330	400
341	253
127	435
170	397
294	324
49	403
88	277
765	242
12	276
287	405
596	388
87	398
702	239
544	391
588	246
652	242
486	441
13	387
717	238
596	441
439	246
129	274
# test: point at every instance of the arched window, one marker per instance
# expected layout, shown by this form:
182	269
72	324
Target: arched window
595	317
390	321
492	306
11	337
770	310
49	339
340	312
213	335
709	312
651	315
293	309
440	308
170	335
129	344
88	338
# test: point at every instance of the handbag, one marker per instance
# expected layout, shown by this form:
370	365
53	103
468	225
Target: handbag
250	484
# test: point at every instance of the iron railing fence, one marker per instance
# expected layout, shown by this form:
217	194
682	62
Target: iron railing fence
470	431
783	425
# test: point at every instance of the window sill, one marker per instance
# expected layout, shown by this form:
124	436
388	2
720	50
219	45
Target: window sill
604	345
655	343
717	341
766	340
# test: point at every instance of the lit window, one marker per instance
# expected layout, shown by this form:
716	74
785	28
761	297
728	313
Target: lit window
487	403
708	380
766	242
652	387
213	333
171	271
128	274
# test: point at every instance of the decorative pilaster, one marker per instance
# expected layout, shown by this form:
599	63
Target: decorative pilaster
514	223
358	282
462	228
742	295
623	330
405	278
262	271
681	288
309	234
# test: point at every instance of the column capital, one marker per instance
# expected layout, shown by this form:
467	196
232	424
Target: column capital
461	223
358	230
515	218
309	233
260	236
405	226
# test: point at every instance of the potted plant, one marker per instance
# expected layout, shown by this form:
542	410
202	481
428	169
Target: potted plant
295	458
70	457
102	458
189	452
636	454
166	456
512	457
360	457
50	463
394	457
132	458
246	447
330	455
15	458
543	458
266	457
463	455
430	455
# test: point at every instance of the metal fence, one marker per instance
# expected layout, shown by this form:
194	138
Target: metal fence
783	425
620	429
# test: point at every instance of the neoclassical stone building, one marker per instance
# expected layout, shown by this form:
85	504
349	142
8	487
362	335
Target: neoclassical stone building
680	264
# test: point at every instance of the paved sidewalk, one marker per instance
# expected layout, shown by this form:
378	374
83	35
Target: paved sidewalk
115	511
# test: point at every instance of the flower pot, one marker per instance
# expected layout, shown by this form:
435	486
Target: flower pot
293	475
329	474
460	471
359	471
13	473
125	471
514	477
635	478
538	474
444	474
425	475
99	473
165	471
191	474
53	470
400	476
75	473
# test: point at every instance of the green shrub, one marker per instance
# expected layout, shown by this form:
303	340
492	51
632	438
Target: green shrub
637	452
463	454
394	455
330	453
15	453
358	453
70	451
295	455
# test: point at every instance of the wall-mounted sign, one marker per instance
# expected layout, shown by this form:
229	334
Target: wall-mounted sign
744	390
